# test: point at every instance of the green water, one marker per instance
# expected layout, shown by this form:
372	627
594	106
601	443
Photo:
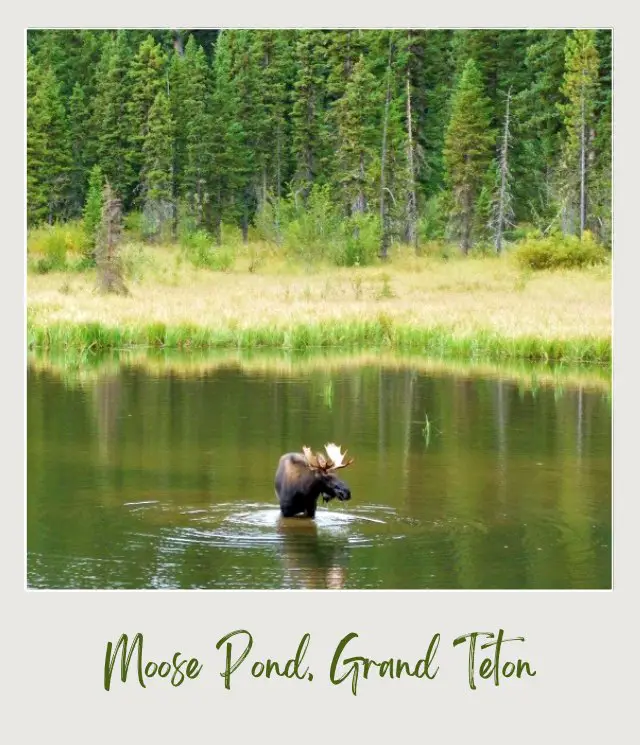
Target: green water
151	478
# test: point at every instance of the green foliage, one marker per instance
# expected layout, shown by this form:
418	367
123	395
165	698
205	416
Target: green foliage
199	249
229	122
359	241
468	149
312	229
49	245
110	121
433	221
92	215
559	252
48	148
135	259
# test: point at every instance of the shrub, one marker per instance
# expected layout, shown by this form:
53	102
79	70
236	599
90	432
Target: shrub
359	241
559	251
199	249
135	259
313	227
133	226
49	245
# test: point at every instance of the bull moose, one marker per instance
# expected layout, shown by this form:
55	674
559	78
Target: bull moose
302	477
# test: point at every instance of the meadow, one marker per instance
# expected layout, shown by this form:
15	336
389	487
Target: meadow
475	306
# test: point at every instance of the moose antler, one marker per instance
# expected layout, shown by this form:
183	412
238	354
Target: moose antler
319	462
336	458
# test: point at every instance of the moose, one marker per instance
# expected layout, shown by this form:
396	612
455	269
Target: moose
302	477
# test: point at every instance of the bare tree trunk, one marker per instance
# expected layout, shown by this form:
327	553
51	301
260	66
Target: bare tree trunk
504	170
178	41
384	223
108	264
412	231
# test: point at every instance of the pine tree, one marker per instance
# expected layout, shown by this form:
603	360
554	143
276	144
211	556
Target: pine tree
48	148
189	93
468	149
308	113
356	116
156	176
538	128
600	170
147	76
92	215
275	55
109	119
580	88
79	132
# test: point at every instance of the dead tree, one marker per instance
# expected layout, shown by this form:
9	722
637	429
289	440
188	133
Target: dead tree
503	211
108	262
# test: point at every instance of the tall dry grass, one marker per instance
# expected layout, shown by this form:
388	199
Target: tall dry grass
476	298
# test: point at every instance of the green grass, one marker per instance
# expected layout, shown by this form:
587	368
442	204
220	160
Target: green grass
381	332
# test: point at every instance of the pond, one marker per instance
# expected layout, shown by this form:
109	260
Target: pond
157	472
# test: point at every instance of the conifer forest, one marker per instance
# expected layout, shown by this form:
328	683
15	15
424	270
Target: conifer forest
476	137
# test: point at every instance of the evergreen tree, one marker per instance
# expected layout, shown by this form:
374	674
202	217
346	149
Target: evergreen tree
580	88
147	76
308	113
92	215
48	149
356	115
538	127
79	133
109	119
156	177
468	149
189	88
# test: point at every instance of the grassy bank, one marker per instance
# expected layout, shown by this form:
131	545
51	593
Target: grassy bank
474	308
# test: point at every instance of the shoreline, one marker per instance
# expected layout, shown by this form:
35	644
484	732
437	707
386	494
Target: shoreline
372	335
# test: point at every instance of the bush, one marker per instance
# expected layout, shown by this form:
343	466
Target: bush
359	243
199	249
559	252
49	245
135	259
133	226
432	224
312	228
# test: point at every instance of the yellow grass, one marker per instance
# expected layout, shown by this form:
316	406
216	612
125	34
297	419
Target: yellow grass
465	296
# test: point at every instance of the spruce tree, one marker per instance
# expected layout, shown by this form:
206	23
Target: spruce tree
468	150
580	88
308	113
92	215
189	87
356	118
147	76
79	133
538	128
109	118
48	147
156	176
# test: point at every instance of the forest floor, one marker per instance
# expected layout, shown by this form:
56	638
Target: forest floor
470	303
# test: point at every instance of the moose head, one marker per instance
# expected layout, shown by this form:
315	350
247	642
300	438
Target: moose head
302	477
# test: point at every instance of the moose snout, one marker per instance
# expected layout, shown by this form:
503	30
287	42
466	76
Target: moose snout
343	494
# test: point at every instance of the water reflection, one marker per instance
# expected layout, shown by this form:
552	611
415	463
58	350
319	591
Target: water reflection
140	478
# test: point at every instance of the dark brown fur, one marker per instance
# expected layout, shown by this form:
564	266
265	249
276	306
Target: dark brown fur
298	486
